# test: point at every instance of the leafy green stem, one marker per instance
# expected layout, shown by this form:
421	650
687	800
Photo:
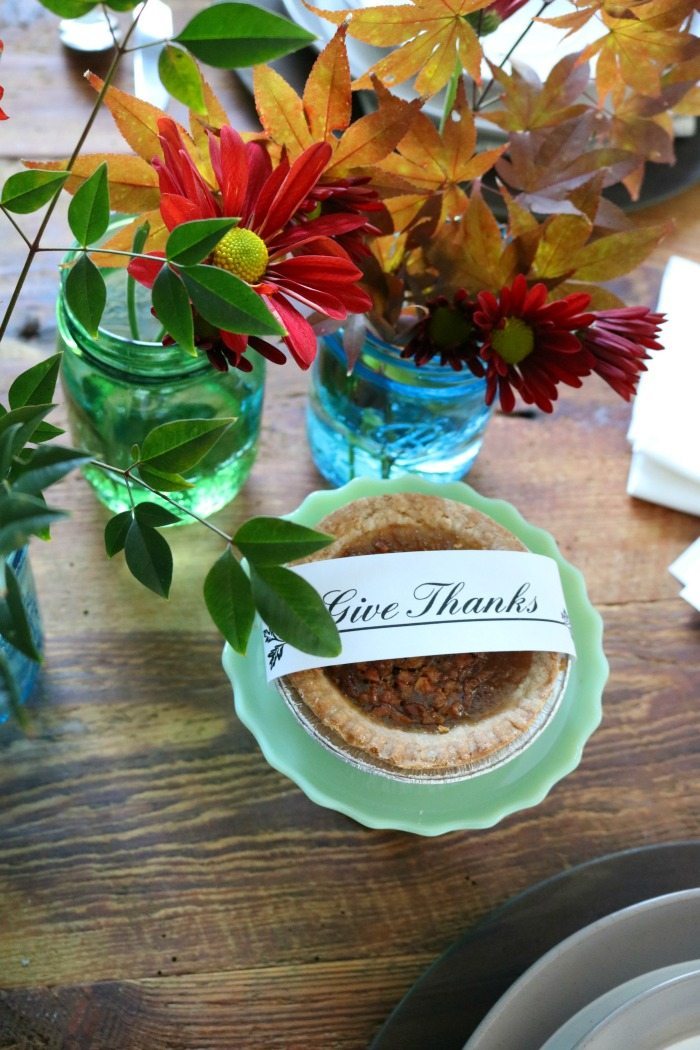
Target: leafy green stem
128	476
450	94
34	246
131	309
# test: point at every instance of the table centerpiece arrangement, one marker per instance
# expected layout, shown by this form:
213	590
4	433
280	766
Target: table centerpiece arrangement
406	247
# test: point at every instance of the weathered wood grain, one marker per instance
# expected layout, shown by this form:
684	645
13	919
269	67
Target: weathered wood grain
162	886
294	1008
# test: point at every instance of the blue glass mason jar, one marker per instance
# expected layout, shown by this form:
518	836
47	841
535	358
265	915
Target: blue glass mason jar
22	669
390	417
117	388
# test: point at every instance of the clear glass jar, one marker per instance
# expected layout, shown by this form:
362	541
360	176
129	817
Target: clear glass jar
23	670
118	388
390	417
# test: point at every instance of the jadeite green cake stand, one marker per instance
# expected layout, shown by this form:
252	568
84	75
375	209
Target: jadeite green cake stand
430	809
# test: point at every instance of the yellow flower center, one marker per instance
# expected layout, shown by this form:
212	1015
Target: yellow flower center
242	253
514	341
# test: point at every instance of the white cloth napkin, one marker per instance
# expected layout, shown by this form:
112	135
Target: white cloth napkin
686	569
665	427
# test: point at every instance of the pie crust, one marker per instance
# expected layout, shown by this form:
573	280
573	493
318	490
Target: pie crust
521	696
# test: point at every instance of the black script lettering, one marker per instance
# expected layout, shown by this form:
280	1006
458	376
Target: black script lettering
341	605
336	599
429	593
517	602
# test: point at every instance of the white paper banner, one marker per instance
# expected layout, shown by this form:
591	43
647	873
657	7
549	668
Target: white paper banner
427	603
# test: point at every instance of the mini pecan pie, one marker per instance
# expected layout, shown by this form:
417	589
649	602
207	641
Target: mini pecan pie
425	715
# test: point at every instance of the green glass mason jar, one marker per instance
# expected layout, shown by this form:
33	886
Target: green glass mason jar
118	388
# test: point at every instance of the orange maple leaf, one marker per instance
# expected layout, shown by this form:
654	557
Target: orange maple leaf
324	112
528	103
437	164
636	54
133	184
433	36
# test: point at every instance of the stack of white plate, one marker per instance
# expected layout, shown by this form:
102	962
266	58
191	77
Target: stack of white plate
630	981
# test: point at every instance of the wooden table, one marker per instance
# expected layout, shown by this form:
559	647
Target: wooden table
161	885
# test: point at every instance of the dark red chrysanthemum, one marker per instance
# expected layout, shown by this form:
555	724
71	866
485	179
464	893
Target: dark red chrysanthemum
280	258
446	331
617	342
352	196
529	344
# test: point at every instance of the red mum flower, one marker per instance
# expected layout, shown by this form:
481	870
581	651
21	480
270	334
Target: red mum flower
3	114
505	8
617	341
353	196
447	330
280	260
529	344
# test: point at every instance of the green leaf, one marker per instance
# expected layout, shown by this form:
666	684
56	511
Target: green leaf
162	481
122	5
47	465
177	447
27	191
116	530
36	386
172	307
86	294
228	302
18	632
9	439
30	417
46	432
149	558
181	78
294	610
193	241
68	8
88	212
22	516
272	541
154	515
229	599
231	36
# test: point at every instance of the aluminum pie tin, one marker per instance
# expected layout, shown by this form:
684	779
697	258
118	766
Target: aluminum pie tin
365	762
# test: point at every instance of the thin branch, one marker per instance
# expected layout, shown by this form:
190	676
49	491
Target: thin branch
33	248
128	476
16	225
518	42
108	20
104	251
142	47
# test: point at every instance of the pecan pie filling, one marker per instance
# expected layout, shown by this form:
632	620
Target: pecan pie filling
428	716
430	692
